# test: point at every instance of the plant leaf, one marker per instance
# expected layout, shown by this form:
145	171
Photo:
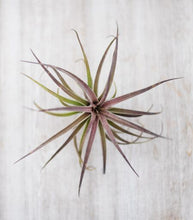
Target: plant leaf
78	98
89	78
77	151
115	93
54	113
130	113
129	124
132	94
53	93
62	102
84	134
111	136
125	142
96	81
104	147
63	81
120	138
114	125
80	159
76	130
63	131
67	91
88	149
69	108
111	74
92	97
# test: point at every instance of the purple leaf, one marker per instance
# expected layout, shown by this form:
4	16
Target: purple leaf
88	149
130	113
67	91
111	136
92	97
63	131
129	124
111	74
66	142
132	94
96	81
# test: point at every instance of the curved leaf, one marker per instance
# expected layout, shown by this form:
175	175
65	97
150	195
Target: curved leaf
96	81
92	97
70	101
89	78
115	93
84	135
111	136
63	81
78	98
67	91
62	102
120	129
80	159
129	124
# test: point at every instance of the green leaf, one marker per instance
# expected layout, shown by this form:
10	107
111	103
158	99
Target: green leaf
130	124
54	113
83	137
121	129
80	159
89	78
68	90
70	101
125	142
70	108
62	102
91	95
104	147
77	151
115	92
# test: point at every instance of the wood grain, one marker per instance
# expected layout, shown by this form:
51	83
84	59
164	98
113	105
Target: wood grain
156	43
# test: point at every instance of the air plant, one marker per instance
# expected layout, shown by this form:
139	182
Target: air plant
93	110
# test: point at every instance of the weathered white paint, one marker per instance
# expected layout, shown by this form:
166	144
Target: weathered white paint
156	42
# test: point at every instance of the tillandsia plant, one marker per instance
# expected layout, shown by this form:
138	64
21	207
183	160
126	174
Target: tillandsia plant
94	110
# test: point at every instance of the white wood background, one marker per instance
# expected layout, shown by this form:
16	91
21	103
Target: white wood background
156	42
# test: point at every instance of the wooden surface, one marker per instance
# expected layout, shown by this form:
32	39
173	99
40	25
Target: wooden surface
156	42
